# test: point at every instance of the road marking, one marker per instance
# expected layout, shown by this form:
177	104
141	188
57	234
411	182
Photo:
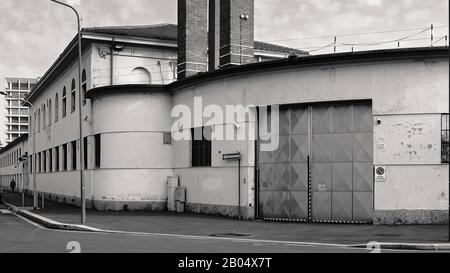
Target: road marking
197	237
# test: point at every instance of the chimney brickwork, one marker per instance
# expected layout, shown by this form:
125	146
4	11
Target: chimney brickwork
192	37
236	32
214	34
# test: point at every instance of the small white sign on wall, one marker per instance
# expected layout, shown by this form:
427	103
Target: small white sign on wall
380	174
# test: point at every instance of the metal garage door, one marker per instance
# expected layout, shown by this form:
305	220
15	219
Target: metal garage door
322	170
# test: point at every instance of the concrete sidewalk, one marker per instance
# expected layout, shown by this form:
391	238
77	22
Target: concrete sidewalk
201	225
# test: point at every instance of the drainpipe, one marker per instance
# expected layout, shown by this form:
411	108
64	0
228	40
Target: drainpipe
161	72
239	188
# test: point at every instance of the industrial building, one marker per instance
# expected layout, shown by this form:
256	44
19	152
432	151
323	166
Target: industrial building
362	137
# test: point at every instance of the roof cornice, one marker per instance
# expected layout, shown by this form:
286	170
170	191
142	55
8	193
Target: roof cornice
386	55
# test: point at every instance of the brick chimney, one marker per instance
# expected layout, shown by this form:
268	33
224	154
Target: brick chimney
236	32
214	35
192	37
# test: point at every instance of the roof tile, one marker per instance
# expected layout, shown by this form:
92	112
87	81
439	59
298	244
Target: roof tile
169	32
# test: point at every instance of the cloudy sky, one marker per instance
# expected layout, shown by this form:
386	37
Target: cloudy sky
35	32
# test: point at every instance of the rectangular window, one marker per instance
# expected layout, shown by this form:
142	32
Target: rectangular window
65	157
30	159
24	86
44	161
85	151
445	141
98	151
40	163
50	160
15	85
57	159
74	155
167	138
201	147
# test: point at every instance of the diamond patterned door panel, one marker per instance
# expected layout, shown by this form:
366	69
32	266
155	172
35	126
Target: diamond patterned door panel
342	163
284	172
337	185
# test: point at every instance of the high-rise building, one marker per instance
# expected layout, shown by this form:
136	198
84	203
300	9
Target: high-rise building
17	113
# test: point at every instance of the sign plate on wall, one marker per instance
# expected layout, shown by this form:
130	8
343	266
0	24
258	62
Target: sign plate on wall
323	187
380	174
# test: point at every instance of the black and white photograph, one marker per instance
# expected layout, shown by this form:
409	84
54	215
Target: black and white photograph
237	129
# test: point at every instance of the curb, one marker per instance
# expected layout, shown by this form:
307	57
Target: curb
419	247
404	246
48	223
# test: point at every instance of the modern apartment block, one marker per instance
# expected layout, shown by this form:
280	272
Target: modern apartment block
17	114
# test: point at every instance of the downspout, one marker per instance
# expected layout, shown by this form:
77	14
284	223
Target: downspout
256	187
161	72
239	188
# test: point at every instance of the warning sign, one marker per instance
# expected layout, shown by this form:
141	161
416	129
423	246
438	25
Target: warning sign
380	174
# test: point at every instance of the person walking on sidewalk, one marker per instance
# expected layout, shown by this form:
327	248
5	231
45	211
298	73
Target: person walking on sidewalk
13	185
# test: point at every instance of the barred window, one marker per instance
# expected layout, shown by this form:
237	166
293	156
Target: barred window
201	147
445	154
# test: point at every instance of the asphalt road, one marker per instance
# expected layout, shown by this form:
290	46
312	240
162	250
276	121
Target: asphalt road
18	235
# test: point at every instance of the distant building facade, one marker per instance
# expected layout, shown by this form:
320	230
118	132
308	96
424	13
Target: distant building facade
17	112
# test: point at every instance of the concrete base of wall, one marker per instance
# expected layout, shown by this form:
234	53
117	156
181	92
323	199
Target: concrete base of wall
75	201
247	213
411	217
103	205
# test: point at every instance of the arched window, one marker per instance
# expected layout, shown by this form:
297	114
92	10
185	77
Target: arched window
50	118
140	75
84	85
73	96
39	120
56	108
64	103
44	116
35	124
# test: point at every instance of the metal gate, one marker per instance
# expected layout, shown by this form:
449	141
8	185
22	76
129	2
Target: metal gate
322	170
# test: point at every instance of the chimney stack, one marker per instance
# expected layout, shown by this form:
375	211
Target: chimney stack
214	34
237	25
192	37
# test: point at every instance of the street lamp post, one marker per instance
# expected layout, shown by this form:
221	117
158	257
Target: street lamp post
30	129
80	105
